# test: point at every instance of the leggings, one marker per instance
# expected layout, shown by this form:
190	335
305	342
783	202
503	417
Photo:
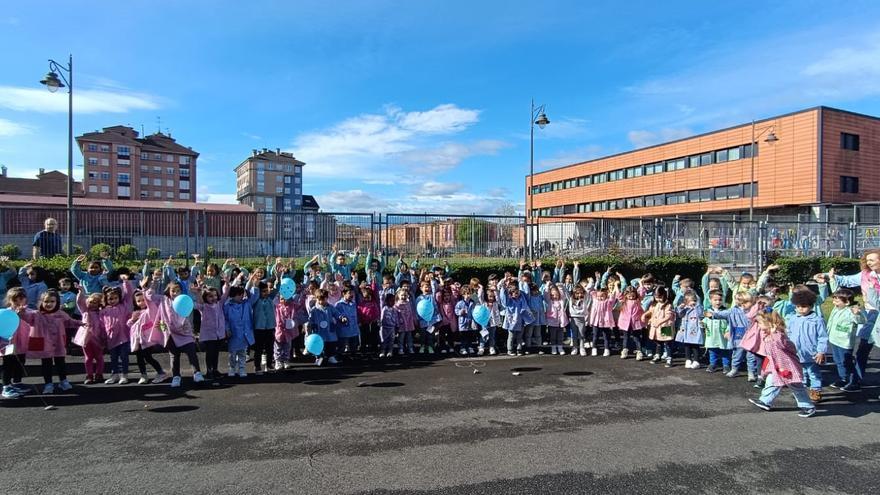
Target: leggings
370	336
189	350
93	359
692	352
604	332
212	355
579	333
634	336
659	347
556	335
60	368
13	368
264	339
145	356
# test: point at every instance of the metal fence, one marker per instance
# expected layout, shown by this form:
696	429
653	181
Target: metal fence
726	241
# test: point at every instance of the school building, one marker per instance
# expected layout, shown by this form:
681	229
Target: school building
794	164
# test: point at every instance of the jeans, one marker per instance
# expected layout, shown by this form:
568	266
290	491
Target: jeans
531	334
843	359
723	354
579	332
144	356
406	340
263	340
752	362
514	341
770	392
556	335
604	332
189	350
692	352
812	375
488	340
119	358
428	337
282	352
237	360
634	337
465	339
60	369
861	358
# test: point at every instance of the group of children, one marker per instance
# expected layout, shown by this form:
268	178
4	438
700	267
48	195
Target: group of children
780	342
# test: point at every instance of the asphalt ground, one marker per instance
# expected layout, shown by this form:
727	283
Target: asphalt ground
431	425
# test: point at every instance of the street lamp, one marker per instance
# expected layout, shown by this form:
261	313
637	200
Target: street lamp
771	138
52	83
537	117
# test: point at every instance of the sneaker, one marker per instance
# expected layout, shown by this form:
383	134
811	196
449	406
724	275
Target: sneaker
624	353
759	383
588	345
656	359
760	405
575	352
583	351
424	349
639	356
463	351
541	351
161	377
493	351
143	380
669	362
711	368
695	365
511	353
175	382
123	380
279	366
443	351
806	413
197	377
332	360
471	350
815	395
113	379
89	380
732	373
604	354
687	363
520	353
242	374
381	354
752	377
851	387
431	350
838	384
264	361
665	355
9	392
481	352
65	385
725	370
410	351
48	388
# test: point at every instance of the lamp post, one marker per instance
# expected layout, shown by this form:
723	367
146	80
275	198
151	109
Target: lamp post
537	117
771	138
52	83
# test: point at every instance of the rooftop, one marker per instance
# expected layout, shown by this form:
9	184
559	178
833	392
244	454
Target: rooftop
52	183
120	134
25	200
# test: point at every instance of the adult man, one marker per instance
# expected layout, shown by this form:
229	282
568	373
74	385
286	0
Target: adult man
47	242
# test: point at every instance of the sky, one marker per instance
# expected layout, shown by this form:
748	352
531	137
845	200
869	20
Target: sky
421	106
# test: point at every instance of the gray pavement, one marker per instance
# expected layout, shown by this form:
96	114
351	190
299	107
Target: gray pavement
564	425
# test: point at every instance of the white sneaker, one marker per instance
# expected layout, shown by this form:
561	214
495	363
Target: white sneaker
463	351
319	361
48	388
695	365
493	351
161	377
65	385
279	366
197	377
656	358
381	354
332	360
574	351
665	355
594	351
604	354
264	361
624	353
123	380
230	373
639	356
687	363
583	351
113	379
588	345
175	382
143	380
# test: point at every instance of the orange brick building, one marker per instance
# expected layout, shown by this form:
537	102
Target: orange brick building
815	157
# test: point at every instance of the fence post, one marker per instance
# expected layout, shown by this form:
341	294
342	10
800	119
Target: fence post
853	238
761	246
204	217
473	234
186	231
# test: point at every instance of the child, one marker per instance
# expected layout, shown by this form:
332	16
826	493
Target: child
629	321
717	332
843	325
95	279
446	302
213	277
710	283
690	332
323	320
807	330
287	323
349	334
339	265
601	319
661	320
374	266
533	330
145	337
7	273
782	368
15	352
680	287
428	327
210	304
516	314
48	338
68	297
115	314
390	324
239	314
91	336
178	333
737	323
368	314
488	334
464	312
264	322
579	309
557	319
32	285
407	320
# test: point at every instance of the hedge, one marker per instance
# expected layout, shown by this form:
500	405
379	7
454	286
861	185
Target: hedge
799	269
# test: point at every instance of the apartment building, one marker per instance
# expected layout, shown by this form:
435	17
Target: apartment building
794	163
119	164
270	181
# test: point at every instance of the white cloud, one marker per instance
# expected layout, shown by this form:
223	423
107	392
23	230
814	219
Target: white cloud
849	71
84	100
356	147
642	139
9	128
433	189
357	200
569	157
218	198
378	182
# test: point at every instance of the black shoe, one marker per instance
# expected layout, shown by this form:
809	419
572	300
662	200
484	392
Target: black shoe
806	413
851	387
760	405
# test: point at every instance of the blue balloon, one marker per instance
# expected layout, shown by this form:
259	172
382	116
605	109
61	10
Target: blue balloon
8	323
482	315
183	305
425	309
288	288
315	344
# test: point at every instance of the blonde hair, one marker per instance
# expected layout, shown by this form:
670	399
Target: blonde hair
772	321
744	297
863	261
13	294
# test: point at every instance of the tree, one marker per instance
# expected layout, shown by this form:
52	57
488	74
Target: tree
472	234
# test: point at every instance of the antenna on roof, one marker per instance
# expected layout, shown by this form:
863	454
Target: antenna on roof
159	124
143	133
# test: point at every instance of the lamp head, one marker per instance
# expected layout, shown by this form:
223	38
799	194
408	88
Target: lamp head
542	120
52	82
771	138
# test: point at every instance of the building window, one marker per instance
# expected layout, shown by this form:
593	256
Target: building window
849	184
169	183
123	178
297	202
184	185
169	194
706	159
145	156
673	165
93	161
694	161
157	194
170	170
849	141
734	153
747	151
105	189
298	170
145	194
93	175
105	148
261	187
287	179
700	195
157	156
145	181
184	195
184	172
279	178
123	151
286	204
157	170
655	200
105	175
105	162
653	168
749	189
92	147
287	191
297	180
169	158
157	182
123	191
721	156
279	190
184	160
93	189
676	198
634	172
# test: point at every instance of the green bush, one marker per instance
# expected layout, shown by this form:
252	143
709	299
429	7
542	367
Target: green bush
10	250
77	249
180	255
127	252
210	252
153	253
844	266
98	249
800	269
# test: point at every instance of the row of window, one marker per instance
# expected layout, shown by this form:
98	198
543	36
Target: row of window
719	193
281	167
184	172
692	161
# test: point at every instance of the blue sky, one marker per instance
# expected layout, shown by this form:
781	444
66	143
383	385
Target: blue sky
422	106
